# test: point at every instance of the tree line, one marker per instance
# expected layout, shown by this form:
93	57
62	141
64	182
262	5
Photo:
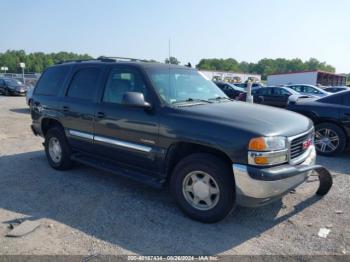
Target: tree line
265	66
36	62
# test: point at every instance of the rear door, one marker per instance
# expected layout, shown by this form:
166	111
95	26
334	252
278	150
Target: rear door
79	104
125	134
280	97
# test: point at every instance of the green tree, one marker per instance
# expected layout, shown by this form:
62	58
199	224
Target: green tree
172	60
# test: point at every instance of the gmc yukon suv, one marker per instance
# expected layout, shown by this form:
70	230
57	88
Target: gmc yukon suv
169	125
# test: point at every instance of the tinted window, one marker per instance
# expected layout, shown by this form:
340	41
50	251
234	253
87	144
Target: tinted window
332	99
51	81
281	92
265	91
84	84
121	81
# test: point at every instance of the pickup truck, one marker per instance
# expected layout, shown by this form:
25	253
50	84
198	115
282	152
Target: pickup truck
168	125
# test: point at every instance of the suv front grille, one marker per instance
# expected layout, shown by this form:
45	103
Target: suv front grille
296	145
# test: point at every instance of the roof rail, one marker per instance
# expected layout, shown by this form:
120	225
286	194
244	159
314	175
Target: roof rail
118	58
104	59
77	61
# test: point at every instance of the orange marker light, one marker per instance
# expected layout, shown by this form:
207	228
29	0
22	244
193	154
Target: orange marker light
257	144
261	160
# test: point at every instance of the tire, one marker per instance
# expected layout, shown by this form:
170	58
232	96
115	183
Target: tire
336	146
6	93
221	178
53	136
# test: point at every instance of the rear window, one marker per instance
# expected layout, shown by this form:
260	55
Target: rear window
51	81
331	99
84	84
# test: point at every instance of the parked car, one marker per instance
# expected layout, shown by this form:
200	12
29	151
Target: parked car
230	90
335	89
11	86
274	96
331	116
214	153
254	85
243	96
309	90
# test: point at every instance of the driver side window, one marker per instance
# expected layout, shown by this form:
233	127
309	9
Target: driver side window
121	81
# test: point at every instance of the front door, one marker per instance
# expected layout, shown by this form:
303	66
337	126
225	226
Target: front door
125	134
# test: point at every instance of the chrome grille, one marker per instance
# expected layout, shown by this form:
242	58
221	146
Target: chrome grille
296	145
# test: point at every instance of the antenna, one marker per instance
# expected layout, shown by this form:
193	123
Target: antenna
169	49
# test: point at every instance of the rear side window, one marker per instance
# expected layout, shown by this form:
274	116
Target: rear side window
265	91
51	81
84	84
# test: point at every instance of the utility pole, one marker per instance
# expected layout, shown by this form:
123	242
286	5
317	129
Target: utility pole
22	65
249	97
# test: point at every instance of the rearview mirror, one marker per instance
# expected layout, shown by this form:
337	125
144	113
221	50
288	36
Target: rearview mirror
135	99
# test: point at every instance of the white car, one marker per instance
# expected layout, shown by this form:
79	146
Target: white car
309	90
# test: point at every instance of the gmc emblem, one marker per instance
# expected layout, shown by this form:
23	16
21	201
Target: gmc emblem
307	143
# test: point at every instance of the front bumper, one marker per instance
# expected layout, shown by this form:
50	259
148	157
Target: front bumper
260	186
17	92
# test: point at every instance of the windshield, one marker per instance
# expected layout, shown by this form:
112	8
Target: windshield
175	85
13	82
238	88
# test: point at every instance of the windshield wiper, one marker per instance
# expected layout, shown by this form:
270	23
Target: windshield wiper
192	100
218	98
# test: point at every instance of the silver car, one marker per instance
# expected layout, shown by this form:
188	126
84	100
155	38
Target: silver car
309	90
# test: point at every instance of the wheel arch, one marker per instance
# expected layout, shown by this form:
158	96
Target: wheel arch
47	123
179	150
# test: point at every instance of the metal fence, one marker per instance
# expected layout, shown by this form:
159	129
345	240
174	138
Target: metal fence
29	79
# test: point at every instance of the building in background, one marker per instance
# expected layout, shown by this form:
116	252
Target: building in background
231	77
307	77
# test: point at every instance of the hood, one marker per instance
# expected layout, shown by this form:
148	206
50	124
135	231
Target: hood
258	119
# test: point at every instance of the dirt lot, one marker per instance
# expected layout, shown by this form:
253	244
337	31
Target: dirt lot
85	211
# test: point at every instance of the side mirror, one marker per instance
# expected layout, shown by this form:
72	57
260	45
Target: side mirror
135	99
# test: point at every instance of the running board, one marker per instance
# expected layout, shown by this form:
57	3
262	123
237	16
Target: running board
111	167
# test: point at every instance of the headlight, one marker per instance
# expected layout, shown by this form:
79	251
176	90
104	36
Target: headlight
268	150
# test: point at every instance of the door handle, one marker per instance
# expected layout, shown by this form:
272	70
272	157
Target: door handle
65	108
101	115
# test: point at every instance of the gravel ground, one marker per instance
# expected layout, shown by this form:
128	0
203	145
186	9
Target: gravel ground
86	211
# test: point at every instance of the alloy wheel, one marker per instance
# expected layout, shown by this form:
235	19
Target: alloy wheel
326	140
201	190
55	150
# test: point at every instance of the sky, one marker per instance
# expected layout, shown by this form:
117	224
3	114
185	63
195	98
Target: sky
247	30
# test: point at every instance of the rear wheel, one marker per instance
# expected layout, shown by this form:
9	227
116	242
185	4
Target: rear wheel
330	139
57	149
203	187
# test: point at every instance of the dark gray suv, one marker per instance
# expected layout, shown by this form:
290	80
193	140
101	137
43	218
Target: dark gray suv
169	125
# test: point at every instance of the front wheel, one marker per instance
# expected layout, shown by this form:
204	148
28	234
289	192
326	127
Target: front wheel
203	186
330	139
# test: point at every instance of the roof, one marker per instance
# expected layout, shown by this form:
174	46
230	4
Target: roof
308	71
112	61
